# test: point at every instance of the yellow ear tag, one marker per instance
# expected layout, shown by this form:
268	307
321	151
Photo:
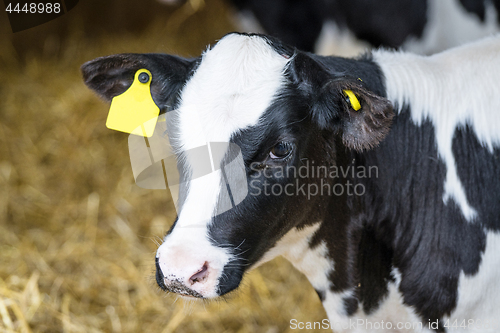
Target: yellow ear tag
353	99
134	111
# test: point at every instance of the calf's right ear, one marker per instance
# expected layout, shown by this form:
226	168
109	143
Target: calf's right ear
112	75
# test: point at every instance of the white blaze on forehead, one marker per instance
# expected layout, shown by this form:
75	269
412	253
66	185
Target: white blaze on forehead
234	84
232	87
451	89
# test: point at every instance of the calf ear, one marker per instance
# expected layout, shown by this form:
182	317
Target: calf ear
362	117
343	103
112	75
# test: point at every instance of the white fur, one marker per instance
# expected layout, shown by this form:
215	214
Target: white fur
392	316
334	40
316	266
479	299
451	89
395	311
232	87
312	262
449	24
479	295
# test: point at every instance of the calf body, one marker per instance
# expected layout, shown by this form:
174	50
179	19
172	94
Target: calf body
397	217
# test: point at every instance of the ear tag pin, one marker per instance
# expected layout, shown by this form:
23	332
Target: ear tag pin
352	99
134	111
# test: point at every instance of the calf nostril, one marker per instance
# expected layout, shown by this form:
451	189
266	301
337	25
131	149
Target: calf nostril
200	275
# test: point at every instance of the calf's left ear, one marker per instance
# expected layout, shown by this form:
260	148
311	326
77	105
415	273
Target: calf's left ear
361	117
343	103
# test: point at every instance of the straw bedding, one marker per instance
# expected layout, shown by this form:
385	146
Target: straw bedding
77	236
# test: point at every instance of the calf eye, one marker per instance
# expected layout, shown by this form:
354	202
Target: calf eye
281	150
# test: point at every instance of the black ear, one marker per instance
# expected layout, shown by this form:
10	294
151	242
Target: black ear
342	102
363	128
112	75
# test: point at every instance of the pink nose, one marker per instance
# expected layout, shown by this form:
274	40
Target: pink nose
184	281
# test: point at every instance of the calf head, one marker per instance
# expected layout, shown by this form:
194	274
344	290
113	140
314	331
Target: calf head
284	109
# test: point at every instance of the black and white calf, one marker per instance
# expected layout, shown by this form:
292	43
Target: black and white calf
415	240
344	27
349	27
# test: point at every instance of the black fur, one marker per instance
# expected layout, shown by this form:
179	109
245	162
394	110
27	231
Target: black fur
401	222
295	22
388	23
321	295
481	192
382	23
350	305
496	3
431	241
299	22
297	116
159	276
374	263
476	7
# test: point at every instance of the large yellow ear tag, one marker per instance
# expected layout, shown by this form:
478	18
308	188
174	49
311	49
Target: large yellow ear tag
134	111
352	99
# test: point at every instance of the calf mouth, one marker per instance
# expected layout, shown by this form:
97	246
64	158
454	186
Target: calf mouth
175	286
179	288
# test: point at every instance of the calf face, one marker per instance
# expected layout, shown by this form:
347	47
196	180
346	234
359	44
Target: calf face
283	110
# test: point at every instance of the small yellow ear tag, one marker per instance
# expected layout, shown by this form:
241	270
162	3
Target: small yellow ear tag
134	111
353	100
